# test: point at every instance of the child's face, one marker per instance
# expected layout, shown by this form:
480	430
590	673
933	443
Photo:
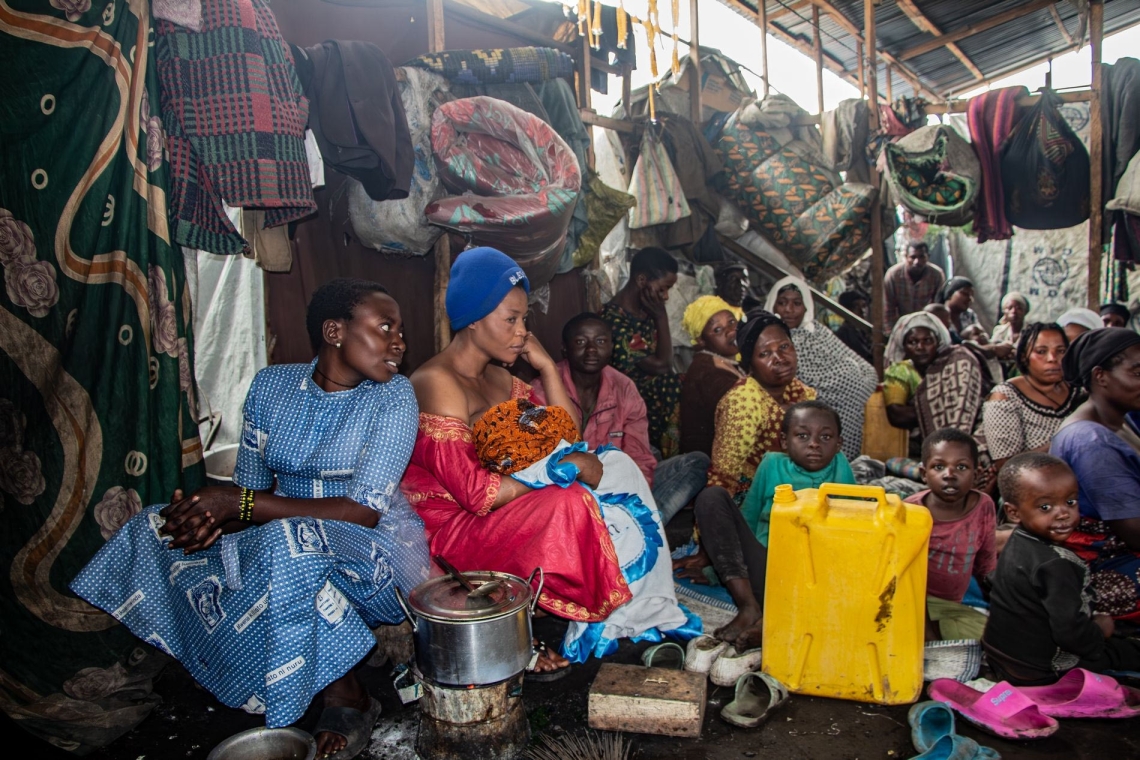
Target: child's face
812	440
949	470
1047	504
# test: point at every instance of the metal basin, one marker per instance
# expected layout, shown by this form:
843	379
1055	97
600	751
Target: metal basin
267	744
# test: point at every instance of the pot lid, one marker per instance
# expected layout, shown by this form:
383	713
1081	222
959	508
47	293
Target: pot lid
443	598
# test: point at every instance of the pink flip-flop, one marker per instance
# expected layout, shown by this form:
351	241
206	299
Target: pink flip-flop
1003	710
1083	694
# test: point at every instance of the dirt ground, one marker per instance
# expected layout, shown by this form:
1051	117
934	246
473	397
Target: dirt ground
190	722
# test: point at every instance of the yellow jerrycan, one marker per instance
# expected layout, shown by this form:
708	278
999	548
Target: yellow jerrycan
845	599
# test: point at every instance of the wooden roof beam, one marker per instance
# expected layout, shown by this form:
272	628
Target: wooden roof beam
1061	24
804	46
1015	69
799	44
786	9
849	26
969	31
910	8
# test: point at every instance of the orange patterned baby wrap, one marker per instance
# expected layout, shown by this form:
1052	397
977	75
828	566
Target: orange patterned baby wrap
515	434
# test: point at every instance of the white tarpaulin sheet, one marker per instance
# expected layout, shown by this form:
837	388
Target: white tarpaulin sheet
229	336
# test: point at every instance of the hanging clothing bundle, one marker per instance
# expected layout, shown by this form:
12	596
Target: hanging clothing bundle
655	185
399	226
934	172
1045	170
992	116
251	152
357	115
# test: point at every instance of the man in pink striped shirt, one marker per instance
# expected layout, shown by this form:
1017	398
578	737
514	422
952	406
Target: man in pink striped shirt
613	413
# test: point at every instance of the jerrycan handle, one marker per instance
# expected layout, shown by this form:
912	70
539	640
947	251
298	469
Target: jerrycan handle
884	512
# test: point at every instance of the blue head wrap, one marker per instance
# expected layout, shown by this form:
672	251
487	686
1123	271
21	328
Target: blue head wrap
480	280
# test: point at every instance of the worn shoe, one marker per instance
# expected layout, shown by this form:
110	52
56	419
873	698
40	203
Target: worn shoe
731	665
702	652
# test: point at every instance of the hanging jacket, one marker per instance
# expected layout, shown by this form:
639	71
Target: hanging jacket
357	115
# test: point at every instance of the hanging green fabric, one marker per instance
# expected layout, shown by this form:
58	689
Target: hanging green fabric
96	392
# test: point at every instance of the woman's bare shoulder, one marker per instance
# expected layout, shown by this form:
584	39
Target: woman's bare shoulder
438	390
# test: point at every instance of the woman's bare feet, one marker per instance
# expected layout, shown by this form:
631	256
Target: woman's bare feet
548	660
751	637
748	610
745	618
346	691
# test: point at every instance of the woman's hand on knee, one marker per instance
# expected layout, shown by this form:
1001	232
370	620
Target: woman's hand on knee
589	467
195	523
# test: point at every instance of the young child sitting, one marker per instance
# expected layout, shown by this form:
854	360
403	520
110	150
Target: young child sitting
734	540
1042	622
962	540
811	435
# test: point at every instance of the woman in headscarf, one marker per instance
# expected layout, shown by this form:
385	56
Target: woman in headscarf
712	324
1078	321
1024	413
748	416
930	383
479	519
290	566
1014	307
839	376
957	295
1106	363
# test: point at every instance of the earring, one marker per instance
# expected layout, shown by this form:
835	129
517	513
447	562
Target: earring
338	344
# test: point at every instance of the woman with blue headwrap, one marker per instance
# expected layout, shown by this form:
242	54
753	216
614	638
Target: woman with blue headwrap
482	520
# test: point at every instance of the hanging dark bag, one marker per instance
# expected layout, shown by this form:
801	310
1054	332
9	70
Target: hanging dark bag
1045	170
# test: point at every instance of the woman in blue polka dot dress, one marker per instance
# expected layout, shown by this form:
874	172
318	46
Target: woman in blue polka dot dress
266	591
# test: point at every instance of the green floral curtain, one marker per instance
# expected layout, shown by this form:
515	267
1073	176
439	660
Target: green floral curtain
96	394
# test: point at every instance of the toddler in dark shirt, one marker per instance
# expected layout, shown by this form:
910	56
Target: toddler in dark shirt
1042	622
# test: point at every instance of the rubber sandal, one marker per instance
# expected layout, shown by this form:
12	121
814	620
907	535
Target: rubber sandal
1003	710
731	665
1083	694
665	655
757	695
353	725
547	675
955	747
702	652
932	733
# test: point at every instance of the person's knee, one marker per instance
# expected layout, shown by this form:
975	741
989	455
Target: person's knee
697	461
711	502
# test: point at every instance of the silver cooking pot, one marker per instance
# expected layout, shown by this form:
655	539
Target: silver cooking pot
459	643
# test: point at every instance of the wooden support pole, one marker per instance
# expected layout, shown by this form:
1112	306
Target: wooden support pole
1096	156
585	73
817	46
862	70
626	89
441	252
890	85
878	302
762	8
435	26
695	65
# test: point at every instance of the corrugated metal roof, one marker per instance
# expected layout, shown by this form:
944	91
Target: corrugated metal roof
996	52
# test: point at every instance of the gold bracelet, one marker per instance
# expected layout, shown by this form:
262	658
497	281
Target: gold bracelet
245	505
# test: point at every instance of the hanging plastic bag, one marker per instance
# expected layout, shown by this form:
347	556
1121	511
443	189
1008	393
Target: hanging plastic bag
660	199
1045	170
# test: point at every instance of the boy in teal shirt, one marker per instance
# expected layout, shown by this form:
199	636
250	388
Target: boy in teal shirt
812	437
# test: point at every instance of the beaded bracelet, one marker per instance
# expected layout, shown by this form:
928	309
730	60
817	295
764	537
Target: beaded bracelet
245	505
